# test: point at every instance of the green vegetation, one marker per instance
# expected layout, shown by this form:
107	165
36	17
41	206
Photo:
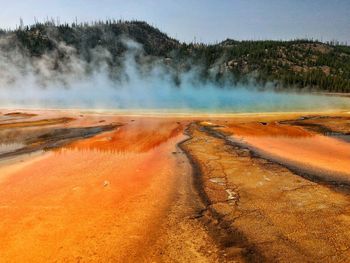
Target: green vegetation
298	64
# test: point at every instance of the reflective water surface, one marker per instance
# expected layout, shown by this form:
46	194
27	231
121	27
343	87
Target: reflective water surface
295	144
97	196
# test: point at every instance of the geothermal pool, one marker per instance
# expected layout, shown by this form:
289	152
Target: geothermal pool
84	186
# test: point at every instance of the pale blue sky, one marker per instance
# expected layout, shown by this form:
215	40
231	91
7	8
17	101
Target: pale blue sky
205	20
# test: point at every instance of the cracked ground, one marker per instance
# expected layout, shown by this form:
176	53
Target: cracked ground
268	212
85	187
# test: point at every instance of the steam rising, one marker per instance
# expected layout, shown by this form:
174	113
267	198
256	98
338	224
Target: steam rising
46	82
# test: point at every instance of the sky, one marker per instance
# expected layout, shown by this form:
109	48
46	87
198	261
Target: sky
206	21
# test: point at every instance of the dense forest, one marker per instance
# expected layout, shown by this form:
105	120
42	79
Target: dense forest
297	64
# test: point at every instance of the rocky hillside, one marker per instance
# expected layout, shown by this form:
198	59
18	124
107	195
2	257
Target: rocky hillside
298	64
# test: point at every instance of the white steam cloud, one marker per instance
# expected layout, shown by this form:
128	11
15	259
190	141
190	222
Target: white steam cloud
48	82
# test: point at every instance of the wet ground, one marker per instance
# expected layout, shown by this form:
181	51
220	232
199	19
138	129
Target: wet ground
123	195
88	187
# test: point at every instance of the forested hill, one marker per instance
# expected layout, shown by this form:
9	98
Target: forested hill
299	64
